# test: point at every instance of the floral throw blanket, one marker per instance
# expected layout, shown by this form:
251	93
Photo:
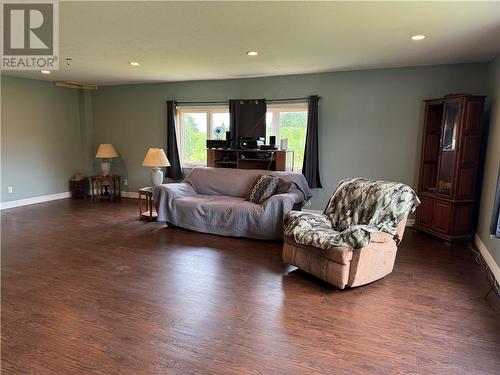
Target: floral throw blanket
357	208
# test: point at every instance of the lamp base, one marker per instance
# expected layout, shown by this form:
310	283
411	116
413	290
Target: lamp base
157	176
106	168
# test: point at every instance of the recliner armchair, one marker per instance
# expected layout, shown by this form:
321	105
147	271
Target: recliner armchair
354	241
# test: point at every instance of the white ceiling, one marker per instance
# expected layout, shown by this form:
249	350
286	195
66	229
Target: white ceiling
178	41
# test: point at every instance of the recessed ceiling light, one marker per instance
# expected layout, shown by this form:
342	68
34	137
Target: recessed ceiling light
418	37
252	53
45	71
134	63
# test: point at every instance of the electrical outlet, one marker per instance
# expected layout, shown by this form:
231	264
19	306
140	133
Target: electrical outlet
125	182
10	189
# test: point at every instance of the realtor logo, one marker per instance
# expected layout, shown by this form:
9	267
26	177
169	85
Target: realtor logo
30	35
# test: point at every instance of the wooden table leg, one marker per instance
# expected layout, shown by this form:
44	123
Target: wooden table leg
150	208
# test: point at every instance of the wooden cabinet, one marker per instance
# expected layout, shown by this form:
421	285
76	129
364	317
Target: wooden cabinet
273	160
441	216
448	183
425	212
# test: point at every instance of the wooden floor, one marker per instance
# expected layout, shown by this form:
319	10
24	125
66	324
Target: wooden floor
89	289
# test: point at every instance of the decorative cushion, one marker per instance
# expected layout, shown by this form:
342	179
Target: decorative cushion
263	188
283	186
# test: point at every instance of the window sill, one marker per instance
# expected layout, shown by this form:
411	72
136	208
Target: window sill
193	165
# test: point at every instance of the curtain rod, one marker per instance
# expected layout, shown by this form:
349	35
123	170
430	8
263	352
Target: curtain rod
227	101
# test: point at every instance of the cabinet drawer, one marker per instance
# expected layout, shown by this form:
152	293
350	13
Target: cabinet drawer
441	216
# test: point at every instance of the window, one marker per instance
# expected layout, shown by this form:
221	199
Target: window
289	121
195	126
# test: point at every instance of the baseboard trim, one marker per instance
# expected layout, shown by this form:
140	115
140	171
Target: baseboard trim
34	200
409	222
493	266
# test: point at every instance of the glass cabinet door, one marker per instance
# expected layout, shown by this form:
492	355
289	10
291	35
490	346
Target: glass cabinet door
449	138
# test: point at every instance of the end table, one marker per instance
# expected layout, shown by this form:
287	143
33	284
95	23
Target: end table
149	214
79	187
100	185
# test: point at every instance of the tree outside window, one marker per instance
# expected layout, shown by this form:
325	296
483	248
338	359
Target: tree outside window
196	125
289	121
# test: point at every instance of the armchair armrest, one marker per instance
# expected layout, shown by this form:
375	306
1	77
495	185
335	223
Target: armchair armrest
308	228
306	219
358	236
312	229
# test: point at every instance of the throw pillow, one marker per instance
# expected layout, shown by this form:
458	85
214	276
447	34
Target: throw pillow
283	186
263	188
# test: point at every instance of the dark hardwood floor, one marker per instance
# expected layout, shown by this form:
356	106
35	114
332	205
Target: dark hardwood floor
89	289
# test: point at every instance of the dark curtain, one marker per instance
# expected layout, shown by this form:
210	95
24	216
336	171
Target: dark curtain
495	217
310	165
175	170
232	121
247	118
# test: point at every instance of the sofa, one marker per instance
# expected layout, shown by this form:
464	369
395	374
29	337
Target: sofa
213	200
354	240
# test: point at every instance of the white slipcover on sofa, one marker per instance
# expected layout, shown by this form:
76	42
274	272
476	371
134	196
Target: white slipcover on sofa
213	200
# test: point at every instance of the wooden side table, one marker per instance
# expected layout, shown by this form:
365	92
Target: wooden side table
79	187
148	214
101	184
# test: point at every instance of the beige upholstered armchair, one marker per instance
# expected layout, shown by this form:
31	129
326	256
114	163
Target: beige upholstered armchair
354	241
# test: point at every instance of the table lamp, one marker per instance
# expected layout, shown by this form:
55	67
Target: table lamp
156	158
106	151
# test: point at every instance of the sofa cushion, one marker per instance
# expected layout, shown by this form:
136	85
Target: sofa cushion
237	182
221	181
263	188
208	204
218	212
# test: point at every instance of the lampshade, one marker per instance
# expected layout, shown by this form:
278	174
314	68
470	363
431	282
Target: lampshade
106	151
156	158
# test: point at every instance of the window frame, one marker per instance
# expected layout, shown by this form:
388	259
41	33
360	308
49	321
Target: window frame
276	110
209	111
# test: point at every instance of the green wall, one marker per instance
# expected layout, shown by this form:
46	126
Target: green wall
370	125
370	121
492	163
40	138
